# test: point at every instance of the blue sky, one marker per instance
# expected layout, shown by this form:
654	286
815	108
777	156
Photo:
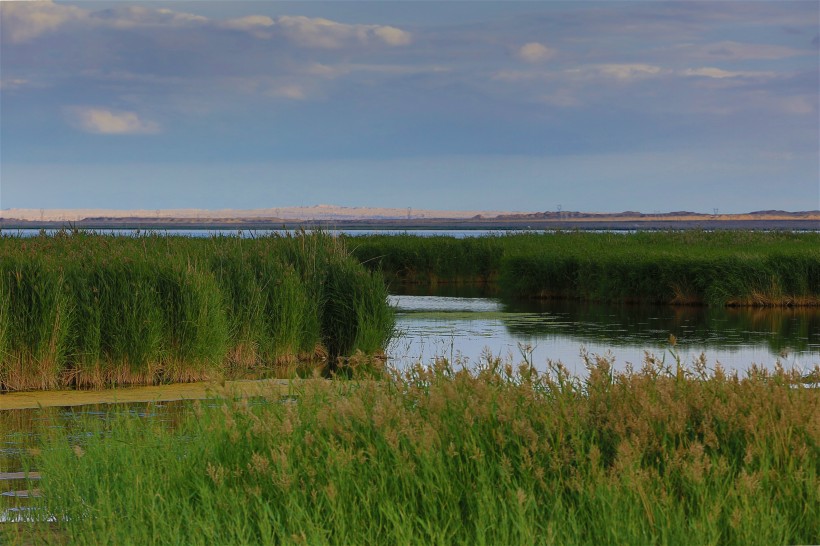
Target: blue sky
607	106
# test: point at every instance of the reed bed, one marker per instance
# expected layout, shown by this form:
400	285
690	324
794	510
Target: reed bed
734	268
440	455
87	310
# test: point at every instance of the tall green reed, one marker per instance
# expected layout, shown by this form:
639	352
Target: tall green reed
692	267
37	324
90	310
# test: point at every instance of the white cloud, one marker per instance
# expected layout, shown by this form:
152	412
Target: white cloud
139	16
621	72
326	34
393	36
534	52
103	121
256	25
718	73
314	32
179	18
22	21
250	22
628	71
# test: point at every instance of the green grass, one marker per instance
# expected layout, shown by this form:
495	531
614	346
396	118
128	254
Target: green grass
689	267
438	456
91	310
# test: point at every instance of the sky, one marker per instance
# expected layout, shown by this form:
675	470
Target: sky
463	105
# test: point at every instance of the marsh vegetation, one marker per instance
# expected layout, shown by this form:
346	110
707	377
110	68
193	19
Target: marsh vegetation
729	268
440	455
88	310
498	452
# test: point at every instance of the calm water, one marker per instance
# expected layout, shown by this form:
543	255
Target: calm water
467	326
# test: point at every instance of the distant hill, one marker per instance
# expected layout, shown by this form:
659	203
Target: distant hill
678	215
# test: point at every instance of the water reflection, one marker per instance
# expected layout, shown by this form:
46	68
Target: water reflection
24	428
451	326
780	329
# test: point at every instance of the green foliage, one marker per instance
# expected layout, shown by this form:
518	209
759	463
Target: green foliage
355	317
435	455
410	258
690	267
91	310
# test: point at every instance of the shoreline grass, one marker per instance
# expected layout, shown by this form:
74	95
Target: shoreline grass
664	455
86	310
731	268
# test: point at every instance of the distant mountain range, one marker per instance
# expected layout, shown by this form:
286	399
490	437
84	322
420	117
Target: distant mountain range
677	215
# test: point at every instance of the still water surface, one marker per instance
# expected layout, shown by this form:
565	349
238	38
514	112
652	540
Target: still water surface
462	326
